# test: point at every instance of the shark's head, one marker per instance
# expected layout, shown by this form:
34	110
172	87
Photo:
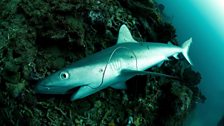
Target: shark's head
60	82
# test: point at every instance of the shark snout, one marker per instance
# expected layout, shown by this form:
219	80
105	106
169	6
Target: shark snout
47	86
42	87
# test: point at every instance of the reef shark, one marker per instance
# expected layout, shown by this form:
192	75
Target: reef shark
111	67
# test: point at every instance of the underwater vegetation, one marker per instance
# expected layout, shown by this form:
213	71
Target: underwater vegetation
42	36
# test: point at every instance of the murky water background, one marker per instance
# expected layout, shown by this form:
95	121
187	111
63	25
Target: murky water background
204	21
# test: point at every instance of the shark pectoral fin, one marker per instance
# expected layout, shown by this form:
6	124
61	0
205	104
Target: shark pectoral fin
125	35
136	72
83	92
120	85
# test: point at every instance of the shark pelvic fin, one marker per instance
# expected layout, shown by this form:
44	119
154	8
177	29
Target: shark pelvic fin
120	85
136	72
185	47
124	35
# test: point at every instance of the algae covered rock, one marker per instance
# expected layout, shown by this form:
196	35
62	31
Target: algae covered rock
11	72
39	37
191	77
15	89
174	104
183	100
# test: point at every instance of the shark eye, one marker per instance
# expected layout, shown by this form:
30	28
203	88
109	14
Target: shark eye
64	75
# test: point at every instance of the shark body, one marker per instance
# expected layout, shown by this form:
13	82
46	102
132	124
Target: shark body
110	67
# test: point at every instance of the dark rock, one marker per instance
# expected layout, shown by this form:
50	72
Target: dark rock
174	104
191	77
11	72
15	89
165	32
221	122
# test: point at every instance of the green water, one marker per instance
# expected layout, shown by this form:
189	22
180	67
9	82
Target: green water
204	22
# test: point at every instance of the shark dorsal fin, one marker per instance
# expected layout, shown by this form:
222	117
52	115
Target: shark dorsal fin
125	35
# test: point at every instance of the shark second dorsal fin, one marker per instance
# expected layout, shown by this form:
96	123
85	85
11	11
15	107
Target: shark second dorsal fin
124	35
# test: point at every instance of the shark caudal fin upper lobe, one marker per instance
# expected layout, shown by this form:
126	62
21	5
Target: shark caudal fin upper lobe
186	46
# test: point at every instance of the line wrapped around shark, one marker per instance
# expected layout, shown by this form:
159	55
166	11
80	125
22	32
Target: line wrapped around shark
111	67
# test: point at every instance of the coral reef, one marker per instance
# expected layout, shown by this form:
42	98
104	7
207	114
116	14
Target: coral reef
39	37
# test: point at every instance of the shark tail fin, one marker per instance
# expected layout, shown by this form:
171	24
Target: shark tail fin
185	47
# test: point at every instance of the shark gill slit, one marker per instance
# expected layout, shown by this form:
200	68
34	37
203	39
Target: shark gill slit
111	56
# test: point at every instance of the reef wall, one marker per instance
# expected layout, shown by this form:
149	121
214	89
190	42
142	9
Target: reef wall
39	37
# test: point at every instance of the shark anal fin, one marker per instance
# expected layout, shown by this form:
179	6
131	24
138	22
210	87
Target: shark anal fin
176	56
160	64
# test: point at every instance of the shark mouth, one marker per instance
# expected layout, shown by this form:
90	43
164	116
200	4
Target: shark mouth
40	89
72	90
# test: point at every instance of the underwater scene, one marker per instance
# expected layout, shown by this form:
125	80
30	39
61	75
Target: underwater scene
111	63
204	22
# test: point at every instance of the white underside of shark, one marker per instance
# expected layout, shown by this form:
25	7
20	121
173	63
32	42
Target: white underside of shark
111	67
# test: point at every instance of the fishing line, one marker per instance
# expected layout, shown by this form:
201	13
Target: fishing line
111	56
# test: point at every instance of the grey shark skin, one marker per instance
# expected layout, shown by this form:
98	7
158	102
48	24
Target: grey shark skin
110	67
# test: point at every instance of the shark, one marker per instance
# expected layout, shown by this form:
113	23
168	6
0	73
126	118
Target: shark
111	67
